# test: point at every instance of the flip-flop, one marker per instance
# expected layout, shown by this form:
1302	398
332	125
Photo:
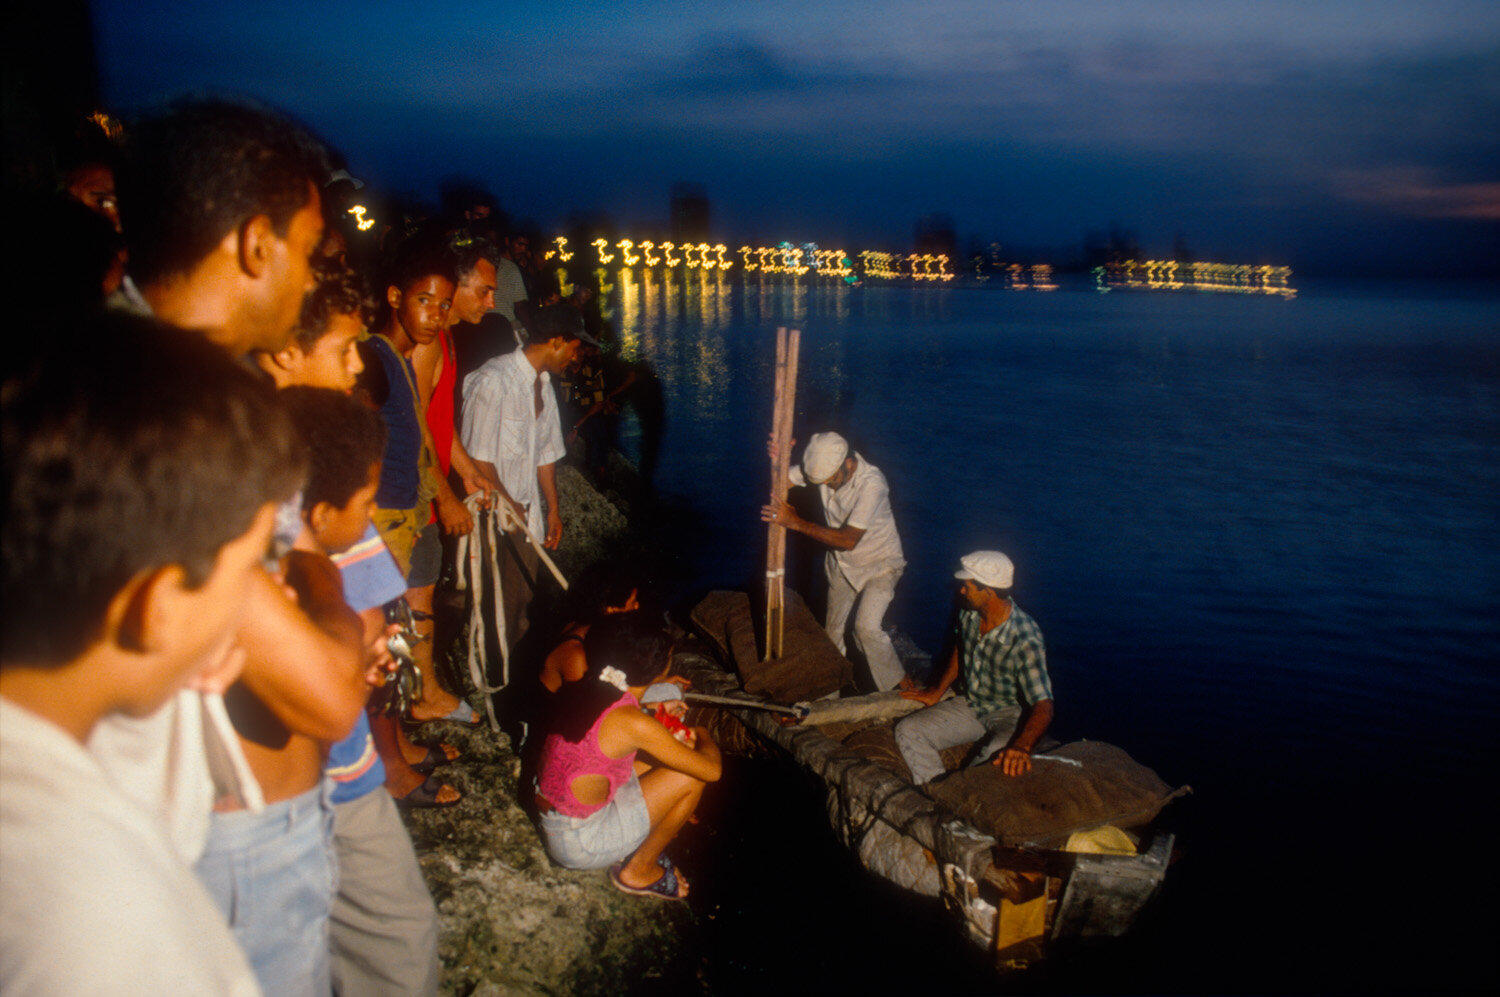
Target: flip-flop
436	756
665	888
425	795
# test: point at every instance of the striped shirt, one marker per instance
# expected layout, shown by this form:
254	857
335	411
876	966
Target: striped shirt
1005	667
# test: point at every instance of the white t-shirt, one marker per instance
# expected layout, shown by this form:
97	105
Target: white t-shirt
863	502
93	897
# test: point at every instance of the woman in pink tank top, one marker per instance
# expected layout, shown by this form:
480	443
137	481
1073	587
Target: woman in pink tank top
600	805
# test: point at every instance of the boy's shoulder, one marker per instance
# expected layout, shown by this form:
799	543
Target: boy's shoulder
78	855
371	577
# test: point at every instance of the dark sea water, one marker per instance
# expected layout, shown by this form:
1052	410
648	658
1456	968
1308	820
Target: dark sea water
1262	538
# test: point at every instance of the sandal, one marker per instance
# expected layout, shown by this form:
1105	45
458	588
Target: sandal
666	887
437	755
426	795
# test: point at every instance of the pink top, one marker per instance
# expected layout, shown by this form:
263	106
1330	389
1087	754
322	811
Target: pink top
563	761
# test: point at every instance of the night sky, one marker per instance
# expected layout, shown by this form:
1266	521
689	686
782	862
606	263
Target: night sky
1338	137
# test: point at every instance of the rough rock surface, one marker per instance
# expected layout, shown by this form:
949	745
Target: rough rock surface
512	921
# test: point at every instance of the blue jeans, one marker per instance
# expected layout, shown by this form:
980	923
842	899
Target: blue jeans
606	836
273	875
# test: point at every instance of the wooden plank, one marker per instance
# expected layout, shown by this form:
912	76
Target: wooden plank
776	535
788	420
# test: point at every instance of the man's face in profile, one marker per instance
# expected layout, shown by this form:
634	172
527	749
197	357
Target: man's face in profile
289	273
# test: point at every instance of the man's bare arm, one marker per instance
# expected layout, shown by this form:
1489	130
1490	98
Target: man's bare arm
475	474
929	697
546	477
311	679
488	469
781	514
1016	758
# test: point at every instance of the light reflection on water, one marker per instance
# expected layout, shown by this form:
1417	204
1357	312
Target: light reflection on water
1260	535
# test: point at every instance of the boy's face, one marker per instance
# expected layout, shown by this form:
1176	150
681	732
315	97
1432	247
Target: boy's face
336	530
475	294
422	308
202	622
334	361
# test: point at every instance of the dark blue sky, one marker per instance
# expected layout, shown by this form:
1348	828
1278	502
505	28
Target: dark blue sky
1329	134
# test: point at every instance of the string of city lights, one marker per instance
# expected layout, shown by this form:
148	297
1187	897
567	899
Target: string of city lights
837	264
1172	275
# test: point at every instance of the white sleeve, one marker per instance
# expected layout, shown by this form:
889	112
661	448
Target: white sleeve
480	432
550	447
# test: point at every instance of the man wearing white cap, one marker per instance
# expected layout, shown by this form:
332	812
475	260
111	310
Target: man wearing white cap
865	560
1007	695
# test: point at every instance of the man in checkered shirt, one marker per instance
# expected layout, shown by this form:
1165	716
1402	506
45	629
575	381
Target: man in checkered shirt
1007	695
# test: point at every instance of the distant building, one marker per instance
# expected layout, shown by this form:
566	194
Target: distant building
690	212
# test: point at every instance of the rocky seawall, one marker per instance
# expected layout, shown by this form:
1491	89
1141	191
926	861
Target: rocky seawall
512	922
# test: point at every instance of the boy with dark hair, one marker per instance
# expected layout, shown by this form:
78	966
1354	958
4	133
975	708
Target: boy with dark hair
220	208
383	926
222	222
323	349
128	555
323	353
419	294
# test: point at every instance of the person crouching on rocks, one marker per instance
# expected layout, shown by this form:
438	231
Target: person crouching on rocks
600	805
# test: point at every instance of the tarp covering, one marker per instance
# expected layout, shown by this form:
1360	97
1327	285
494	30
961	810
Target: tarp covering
938	839
1047	804
811	668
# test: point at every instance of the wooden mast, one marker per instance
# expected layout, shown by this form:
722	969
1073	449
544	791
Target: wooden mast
783	407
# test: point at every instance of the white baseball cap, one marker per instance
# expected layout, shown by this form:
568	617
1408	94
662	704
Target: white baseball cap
987	567
823	457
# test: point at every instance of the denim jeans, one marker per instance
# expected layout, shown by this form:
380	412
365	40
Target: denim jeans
606	836
274	877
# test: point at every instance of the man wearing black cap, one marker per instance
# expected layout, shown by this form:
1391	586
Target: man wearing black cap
1007	694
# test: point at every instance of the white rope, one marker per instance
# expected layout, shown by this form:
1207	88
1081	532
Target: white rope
471	553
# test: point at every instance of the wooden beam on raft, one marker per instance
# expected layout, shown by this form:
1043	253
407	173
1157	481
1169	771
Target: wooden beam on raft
784	404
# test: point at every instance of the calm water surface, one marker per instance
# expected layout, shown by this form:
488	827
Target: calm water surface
1262	538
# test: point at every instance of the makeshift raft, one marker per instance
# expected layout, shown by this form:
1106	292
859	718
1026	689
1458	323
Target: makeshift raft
1069	850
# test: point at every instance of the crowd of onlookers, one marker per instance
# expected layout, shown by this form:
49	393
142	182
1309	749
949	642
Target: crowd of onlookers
239	424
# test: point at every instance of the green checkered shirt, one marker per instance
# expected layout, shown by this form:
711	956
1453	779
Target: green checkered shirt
1005	667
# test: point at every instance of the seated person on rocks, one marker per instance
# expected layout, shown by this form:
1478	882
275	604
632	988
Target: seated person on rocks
603	590
1007	695
600	804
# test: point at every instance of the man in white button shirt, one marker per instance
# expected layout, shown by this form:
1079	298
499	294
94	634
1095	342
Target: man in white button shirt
511	427
864	559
